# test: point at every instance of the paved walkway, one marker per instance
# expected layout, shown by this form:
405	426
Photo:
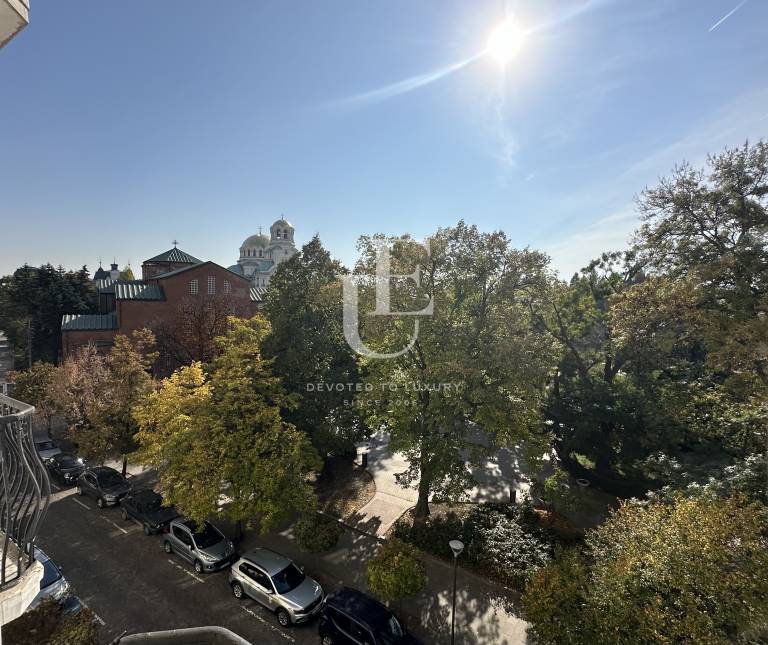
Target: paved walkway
485	612
497	479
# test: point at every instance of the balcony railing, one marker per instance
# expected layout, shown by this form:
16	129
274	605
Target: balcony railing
25	490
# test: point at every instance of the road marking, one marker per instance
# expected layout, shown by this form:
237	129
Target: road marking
117	526
290	639
85	506
95	615
54	486
189	573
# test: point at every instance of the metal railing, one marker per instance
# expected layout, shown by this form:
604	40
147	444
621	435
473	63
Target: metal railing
25	490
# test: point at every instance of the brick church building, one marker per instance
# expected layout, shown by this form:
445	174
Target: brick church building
169	282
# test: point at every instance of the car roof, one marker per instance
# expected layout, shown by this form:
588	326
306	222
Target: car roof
147	492
359	605
97	470
267	559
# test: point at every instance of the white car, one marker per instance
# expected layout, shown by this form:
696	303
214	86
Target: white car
53	585
47	448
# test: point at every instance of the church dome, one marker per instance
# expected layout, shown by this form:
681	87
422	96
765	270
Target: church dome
255	241
282	229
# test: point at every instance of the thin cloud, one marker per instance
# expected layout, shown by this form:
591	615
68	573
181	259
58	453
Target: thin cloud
728	15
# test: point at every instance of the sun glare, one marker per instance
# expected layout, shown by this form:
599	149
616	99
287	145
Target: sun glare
505	41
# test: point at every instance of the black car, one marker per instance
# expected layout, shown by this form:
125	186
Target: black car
146	506
350	617
104	484
65	467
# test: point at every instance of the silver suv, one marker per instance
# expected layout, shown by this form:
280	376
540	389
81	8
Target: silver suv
204	546
278	584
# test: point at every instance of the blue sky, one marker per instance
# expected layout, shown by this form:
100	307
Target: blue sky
126	125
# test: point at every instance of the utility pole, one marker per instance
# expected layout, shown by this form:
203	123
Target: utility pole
29	341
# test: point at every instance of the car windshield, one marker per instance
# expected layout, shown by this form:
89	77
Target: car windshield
67	461
207	537
51	574
391	632
288	579
152	503
108	478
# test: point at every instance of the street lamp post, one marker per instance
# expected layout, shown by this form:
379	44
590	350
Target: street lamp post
457	546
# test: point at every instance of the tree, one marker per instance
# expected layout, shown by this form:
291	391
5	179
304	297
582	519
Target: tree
110	430
477	363
32	302
34	386
127	273
218	436
190	334
396	571
304	308
691	571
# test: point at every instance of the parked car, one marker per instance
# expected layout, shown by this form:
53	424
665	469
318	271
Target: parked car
47	448
277	583
204	546
65	467
104	484
53	584
350	617
146	506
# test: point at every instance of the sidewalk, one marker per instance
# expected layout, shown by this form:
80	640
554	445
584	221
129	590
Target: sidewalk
481	606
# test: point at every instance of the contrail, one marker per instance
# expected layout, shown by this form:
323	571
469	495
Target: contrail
728	15
401	87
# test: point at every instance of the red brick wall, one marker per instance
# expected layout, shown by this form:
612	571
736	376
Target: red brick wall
71	340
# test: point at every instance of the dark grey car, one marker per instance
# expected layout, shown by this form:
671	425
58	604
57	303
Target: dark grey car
205	547
104	484
277	583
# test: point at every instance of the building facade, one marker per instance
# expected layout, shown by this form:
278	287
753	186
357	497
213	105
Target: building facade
6	363
128	305
260	255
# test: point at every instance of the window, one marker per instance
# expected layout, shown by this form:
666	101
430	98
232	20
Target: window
182	535
256	575
211	284
227	286
261	253
194	288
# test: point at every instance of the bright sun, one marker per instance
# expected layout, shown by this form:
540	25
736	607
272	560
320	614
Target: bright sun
505	41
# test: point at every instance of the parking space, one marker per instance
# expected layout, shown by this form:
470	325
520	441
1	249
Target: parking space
132	585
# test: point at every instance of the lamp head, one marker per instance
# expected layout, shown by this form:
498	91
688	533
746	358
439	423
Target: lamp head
457	546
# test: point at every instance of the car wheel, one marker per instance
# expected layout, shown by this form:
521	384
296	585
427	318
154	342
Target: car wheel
283	618
327	640
124	515
147	529
198	566
237	590
100	502
167	546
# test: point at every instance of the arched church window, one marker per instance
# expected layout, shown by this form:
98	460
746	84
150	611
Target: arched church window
260	253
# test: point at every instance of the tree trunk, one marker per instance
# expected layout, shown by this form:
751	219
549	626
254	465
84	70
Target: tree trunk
421	512
125	465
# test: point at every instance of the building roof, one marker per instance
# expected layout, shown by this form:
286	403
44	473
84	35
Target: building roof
236	268
106	285
255	240
74	322
101	273
174	255
257	294
163	276
138	290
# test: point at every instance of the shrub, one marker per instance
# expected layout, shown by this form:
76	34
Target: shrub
691	571
315	532
498	542
396	571
433	536
47	624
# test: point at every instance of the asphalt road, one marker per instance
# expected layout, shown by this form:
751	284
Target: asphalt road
132	585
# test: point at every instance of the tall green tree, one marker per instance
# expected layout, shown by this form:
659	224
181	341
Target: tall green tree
311	356
218	440
473	379
32	302
691	571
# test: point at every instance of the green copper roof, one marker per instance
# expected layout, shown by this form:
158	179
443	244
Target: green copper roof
138	290
74	322
174	255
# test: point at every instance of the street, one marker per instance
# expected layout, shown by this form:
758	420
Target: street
132	585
